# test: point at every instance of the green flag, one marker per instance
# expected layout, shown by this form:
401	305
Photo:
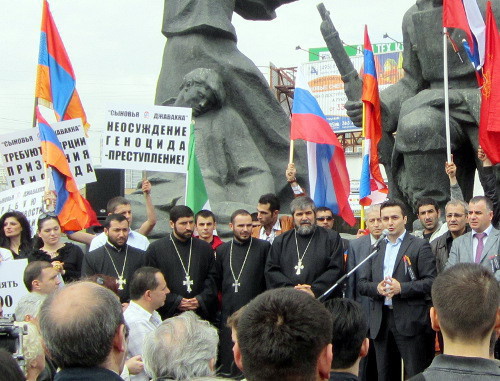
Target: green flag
196	193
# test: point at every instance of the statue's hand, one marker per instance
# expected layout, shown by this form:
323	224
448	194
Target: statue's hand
354	110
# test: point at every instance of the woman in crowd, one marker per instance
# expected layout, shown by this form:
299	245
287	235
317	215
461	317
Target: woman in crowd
65	257
16	234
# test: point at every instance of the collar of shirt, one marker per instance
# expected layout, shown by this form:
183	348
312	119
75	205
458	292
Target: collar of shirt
276	226
372	240
139	311
117	249
487	231
398	240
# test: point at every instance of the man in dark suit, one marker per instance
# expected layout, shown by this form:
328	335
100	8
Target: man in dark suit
359	249
482	244
398	280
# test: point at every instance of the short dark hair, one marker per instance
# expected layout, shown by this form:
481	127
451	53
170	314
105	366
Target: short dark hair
113	217
255	216
180	211
116	201
427	201
239	212
394	202
281	334
81	339
272	200
350	329
10	368
324	209
205	214
487	201
33	272
471	285
143	279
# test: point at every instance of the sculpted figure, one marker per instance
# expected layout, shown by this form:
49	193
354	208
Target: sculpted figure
413	147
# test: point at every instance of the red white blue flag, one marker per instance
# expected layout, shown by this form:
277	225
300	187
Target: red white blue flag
372	188
55	84
328	176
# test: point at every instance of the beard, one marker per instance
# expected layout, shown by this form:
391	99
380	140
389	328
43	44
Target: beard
305	229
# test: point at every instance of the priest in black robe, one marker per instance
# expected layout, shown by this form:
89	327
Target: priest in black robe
187	265
308	257
240	266
115	258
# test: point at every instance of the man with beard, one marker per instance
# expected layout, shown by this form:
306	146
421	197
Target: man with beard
308	257
240	277
116	258
186	262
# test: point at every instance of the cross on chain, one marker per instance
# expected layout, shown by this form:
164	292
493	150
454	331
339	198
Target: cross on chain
236	284
188	282
120	282
299	267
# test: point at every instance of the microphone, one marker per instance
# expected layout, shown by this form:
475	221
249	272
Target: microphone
384	234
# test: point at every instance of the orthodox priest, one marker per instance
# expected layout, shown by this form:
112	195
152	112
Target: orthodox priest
309	257
116	258
186	263
239	266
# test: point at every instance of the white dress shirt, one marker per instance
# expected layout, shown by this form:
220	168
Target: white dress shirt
135	239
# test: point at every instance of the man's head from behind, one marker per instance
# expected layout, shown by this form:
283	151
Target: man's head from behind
284	334
41	277
28	306
83	326
181	348
466	304
350	329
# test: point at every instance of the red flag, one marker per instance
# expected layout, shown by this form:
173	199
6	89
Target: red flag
489	123
454	16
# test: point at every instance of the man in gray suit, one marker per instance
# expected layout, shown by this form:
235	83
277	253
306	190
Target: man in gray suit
482	244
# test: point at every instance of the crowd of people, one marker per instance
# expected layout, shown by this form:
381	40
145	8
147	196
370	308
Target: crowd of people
260	306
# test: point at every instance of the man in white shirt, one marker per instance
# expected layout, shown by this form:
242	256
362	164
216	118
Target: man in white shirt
148	290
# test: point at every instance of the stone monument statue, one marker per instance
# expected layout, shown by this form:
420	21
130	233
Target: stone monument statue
413	147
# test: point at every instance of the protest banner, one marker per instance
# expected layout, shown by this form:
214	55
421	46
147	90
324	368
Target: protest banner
153	138
28	199
12	287
22	155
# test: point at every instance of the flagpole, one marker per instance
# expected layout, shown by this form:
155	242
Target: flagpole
446	96
363	135
290	159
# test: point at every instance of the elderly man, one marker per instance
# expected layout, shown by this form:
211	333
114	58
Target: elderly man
308	257
41	277
482	244
148	290
84	332
181	348
284	334
28	306
456	220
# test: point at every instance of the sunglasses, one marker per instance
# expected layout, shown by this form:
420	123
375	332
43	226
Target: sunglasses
329	218
47	215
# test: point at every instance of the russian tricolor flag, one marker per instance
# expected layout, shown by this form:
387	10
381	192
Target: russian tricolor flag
73	211
372	188
55	84
328	176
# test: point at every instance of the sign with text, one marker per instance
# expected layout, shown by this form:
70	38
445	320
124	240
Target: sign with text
22	155
11	284
153	138
27	199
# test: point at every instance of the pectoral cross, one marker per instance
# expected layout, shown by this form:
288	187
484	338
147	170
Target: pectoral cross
236	284
188	282
299	267
120	282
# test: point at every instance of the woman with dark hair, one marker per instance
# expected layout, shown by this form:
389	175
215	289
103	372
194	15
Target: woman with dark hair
15	234
65	257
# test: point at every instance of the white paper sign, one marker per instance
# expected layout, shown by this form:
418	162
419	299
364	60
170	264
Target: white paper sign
28	199
22	155
11	284
153	138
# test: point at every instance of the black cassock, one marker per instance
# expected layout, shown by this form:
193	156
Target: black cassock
322	263
162	255
250	284
98	262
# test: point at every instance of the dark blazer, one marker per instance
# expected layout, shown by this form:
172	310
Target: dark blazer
411	307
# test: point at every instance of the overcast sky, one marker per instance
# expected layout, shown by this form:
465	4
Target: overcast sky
116	46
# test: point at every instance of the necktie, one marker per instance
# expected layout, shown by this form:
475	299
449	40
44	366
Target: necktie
480	246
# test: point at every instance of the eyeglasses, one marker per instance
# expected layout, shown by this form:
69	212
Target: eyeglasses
329	218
